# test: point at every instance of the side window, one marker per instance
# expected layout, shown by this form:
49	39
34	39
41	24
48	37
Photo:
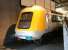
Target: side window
25	20
56	18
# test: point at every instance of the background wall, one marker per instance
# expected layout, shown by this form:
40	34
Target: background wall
8	15
48	4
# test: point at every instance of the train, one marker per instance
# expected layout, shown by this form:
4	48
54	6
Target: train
33	23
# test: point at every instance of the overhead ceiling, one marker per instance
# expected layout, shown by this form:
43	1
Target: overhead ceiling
61	3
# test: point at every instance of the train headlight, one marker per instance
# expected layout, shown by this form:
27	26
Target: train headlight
28	37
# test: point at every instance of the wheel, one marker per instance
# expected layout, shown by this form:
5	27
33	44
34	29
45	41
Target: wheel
43	40
38	42
10	35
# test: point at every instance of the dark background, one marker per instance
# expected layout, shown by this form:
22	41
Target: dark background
9	10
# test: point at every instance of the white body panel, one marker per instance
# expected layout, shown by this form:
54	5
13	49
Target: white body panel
24	34
33	35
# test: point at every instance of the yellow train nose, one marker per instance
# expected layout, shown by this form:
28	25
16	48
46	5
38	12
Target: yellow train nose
32	19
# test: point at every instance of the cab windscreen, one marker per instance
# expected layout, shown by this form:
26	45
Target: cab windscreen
25	20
